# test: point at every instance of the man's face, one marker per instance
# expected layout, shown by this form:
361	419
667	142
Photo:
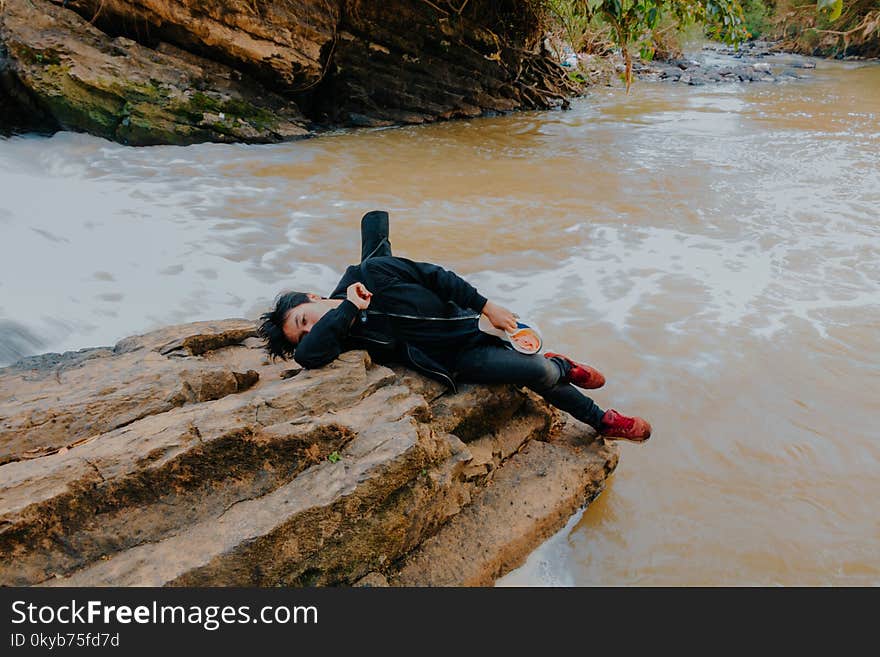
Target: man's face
302	318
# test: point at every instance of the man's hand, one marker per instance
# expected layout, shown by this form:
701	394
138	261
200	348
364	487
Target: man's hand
359	295
500	317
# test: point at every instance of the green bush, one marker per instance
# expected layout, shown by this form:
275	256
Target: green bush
756	15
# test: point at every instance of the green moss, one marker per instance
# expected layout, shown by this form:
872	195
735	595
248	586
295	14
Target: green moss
28	55
258	117
58	70
76	106
232	109
220	128
204	103
154	92
146	124
48	59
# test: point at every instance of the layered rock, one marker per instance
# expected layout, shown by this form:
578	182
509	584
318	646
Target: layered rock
184	71
116	88
184	457
280	42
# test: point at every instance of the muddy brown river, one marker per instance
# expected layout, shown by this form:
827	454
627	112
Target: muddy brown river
714	250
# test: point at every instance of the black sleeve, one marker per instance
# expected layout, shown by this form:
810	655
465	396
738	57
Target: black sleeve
323	343
446	284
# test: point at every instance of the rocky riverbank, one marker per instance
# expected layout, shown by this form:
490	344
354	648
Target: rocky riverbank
182	71
184	457
752	62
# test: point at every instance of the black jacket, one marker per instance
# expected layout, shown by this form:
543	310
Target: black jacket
420	315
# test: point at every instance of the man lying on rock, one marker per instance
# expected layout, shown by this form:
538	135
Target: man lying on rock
426	317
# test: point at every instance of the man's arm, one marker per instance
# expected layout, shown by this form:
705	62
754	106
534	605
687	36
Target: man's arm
500	316
447	285
323	343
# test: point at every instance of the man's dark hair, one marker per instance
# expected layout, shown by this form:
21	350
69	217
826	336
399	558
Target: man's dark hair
271	329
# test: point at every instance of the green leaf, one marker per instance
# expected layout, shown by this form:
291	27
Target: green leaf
334	457
653	14
614	8
830	7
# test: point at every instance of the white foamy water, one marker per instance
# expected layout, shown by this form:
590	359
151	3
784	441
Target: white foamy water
714	251
101	241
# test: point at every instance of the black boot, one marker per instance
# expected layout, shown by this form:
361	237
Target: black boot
374	235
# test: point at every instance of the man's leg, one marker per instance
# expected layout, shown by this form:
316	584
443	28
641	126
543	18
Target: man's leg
374	235
546	376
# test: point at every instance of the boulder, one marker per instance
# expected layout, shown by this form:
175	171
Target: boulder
185	457
114	87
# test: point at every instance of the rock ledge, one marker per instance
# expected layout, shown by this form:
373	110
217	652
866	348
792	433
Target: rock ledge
184	457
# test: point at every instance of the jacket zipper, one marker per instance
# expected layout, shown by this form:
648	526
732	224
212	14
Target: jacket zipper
385	342
436	319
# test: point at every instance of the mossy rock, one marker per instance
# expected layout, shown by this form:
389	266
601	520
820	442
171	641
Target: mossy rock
118	89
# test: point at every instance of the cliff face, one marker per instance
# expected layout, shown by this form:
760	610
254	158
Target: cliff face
183	71
182	457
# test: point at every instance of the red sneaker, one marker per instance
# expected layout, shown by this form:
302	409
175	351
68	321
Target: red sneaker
615	425
583	376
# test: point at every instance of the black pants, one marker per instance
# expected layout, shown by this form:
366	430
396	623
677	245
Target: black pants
491	361
495	363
